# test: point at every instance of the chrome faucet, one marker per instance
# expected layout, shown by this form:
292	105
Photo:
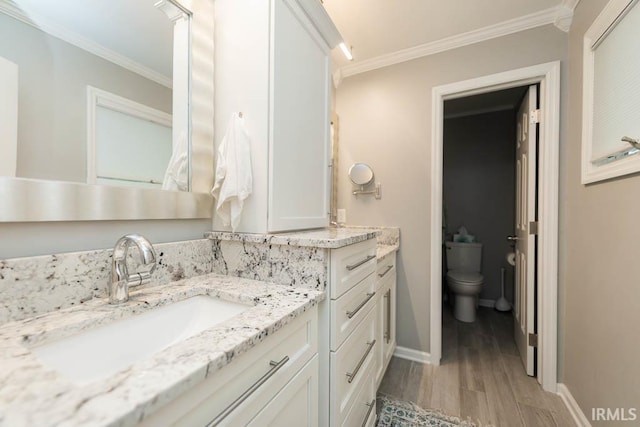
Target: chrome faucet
121	280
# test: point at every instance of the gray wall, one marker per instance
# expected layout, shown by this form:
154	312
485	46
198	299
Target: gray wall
385	121
52	99
601	269
479	188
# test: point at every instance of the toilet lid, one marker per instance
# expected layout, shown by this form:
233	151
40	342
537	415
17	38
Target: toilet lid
465	277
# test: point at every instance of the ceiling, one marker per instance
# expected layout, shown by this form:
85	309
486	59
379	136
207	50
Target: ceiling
374	28
114	25
380	27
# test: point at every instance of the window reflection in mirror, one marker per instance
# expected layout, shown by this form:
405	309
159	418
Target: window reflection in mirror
93	93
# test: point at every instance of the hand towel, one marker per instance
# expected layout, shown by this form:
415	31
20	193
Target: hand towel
176	178
233	180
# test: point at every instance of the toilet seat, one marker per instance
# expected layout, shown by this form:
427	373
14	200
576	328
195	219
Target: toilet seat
465	277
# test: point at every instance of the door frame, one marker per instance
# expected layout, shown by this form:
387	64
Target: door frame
548	76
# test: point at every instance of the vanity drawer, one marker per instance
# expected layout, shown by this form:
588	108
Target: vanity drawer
351	264
208	400
349	310
386	267
295	405
351	365
363	408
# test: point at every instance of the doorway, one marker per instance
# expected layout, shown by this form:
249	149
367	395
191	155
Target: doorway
489	199
548	78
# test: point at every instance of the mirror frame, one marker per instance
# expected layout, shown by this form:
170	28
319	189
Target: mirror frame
32	200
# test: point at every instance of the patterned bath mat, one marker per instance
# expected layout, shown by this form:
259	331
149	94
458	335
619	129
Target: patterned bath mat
399	413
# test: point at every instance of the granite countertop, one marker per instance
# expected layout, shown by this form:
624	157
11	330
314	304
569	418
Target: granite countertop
32	394
330	238
384	250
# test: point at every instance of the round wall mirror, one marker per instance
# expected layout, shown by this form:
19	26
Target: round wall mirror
361	174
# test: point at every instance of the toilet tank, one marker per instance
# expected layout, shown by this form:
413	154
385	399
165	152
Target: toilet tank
464	256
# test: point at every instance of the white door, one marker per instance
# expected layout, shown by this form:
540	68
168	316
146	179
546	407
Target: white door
525	295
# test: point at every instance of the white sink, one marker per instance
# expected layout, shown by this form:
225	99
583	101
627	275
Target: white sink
103	351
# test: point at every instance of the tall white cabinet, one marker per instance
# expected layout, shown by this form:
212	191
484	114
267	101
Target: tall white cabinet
272	63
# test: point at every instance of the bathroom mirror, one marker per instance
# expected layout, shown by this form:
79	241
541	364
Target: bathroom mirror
611	93
96	121
361	174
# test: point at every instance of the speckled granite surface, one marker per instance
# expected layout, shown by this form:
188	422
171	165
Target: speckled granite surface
32	395
298	259
329	238
297	266
384	250
388	239
387	236
37	285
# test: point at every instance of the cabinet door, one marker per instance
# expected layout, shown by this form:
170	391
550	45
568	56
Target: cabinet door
299	145
296	404
389	343
248	383
381	310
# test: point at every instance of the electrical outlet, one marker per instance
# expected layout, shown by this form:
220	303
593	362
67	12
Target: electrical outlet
342	216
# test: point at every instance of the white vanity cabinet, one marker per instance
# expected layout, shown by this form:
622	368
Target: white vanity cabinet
272	63
275	383
386	312
349	341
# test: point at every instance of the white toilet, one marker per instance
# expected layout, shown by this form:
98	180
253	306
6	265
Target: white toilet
464	278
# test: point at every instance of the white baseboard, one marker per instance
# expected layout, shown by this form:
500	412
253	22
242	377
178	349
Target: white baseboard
574	409
413	355
487	303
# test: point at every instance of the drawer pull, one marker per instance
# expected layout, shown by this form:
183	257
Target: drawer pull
352	313
275	366
387	329
351	376
389	267
359	263
371	406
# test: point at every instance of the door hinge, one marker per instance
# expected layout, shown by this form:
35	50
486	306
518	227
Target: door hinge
533	340
533	227
535	116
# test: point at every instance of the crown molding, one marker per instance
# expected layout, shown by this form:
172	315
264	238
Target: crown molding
571	4
173	11
83	43
534	20
337	77
564	17
318	15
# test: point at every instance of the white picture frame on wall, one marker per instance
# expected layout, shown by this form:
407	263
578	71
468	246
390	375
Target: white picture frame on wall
611	93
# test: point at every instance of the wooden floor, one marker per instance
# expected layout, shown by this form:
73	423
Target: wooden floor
480	378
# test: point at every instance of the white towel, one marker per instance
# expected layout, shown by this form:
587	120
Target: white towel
233	181
176	178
